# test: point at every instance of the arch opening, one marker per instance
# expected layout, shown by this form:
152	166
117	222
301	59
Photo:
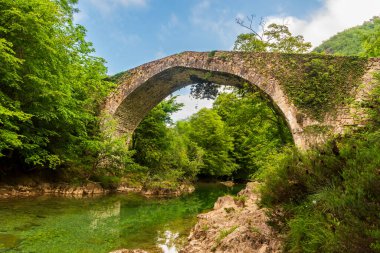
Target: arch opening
141	100
241	129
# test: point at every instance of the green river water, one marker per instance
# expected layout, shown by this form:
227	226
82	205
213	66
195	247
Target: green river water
96	225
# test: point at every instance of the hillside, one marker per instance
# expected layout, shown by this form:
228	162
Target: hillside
349	41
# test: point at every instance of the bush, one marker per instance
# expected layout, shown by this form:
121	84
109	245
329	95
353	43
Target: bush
330	196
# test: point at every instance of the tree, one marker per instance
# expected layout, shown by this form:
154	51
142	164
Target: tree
208	131
257	129
272	38
168	156
372	39
249	42
51	85
151	136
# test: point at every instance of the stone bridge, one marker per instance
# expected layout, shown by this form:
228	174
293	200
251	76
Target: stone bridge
280	77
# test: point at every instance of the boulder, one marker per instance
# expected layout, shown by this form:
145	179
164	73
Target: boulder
234	228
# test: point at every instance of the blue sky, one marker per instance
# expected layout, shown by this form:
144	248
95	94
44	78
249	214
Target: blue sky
128	33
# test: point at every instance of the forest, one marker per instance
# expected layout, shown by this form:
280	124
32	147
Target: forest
326	199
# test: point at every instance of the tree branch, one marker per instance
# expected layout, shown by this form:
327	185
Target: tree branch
241	22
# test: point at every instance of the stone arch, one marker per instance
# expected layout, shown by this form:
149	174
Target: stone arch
141	88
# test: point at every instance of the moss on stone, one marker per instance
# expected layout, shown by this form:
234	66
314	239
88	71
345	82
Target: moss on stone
316	84
322	83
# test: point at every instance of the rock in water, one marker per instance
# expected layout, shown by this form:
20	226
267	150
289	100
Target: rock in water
236	225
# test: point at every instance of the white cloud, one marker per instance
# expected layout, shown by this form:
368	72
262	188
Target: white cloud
129	39
166	29
334	16
220	23
125	39
132	2
191	106
107	6
173	22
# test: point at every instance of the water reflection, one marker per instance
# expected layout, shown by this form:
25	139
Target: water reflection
99	216
100	225
167	242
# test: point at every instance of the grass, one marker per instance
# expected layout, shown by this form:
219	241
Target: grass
224	233
229	209
255	230
240	198
205	227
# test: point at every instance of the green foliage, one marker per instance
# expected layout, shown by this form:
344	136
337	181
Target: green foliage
150	138
349	41
255	230
232	139
229	209
203	88
209	132
117	77
224	233
373	104
372	39
103	158
240	199
329	196
211	53
50	84
316	84
280	40
236	135
257	129
167	156
276	38
249	42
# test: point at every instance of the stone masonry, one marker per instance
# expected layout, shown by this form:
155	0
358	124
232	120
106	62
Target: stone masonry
142	88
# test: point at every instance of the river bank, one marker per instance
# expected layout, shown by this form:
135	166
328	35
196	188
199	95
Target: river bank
85	190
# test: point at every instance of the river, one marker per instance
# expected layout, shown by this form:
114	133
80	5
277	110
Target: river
96	225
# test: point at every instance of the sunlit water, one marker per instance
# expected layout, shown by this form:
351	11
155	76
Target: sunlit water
92	225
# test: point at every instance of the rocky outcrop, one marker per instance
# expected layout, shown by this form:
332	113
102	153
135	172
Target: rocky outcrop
89	189
228	183
182	189
237	224
86	190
